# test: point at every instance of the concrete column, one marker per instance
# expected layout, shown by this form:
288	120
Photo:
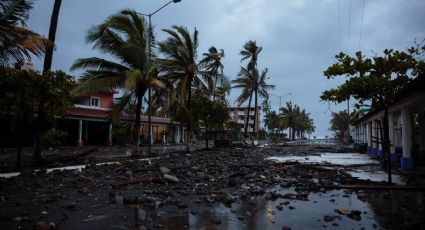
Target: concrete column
80	133
374	139
110	134
392	137
422	133
406	139
176	134
164	136
183	134
368	134
365	133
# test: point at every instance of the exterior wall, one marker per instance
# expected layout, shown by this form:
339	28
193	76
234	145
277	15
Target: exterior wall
239	114
407	130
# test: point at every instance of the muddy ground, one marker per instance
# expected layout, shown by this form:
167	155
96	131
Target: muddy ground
232	188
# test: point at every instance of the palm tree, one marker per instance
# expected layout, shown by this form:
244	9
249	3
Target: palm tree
16	41
180	64
52	36
213	66
289	114
251	83
123	36
251	51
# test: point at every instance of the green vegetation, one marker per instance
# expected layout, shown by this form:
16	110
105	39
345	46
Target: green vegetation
16	41
251	82
377	79
35	99
291	117
124	36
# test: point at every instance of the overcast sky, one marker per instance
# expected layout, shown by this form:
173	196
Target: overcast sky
299	37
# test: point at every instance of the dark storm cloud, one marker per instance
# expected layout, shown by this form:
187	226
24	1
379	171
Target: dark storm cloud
299	38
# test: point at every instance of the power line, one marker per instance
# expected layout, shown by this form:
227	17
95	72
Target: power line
349	27
339	26
361	26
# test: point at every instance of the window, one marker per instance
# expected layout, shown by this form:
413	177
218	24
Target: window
94	101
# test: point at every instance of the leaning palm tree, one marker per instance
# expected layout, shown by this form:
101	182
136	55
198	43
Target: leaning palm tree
52	35
123	36
180	64
17	43
213	66
251	51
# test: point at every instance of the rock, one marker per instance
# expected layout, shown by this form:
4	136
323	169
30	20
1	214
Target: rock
164	170
291	207
328	218
41	225
279	207
215	221
354	215
94	218
335	224
171	178
341	211
182	205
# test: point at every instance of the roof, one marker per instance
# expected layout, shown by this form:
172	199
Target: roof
88	112
144	119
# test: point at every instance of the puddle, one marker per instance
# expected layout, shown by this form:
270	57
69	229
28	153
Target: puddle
345	159
265	215
377	176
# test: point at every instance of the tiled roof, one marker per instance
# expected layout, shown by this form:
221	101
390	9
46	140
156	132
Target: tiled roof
87	112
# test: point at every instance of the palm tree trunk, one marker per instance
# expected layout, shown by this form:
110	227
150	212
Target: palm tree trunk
189	128
38	143
247	117
215	86
52	36
255	114
136	130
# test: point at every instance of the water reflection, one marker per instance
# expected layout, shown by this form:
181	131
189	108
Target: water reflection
263	214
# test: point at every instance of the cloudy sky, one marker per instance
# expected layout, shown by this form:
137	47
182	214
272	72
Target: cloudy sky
299	37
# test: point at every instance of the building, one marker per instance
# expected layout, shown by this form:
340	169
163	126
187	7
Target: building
240	114
406	127
89	122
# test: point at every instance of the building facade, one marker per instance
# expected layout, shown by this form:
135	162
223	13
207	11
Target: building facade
406	123
240	114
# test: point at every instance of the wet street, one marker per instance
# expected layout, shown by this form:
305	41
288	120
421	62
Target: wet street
300	185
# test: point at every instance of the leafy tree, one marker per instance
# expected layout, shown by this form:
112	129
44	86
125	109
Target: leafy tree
16	41
35	98
377	79
180	64
123	36
207	113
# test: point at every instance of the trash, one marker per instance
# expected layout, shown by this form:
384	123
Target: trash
171	178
